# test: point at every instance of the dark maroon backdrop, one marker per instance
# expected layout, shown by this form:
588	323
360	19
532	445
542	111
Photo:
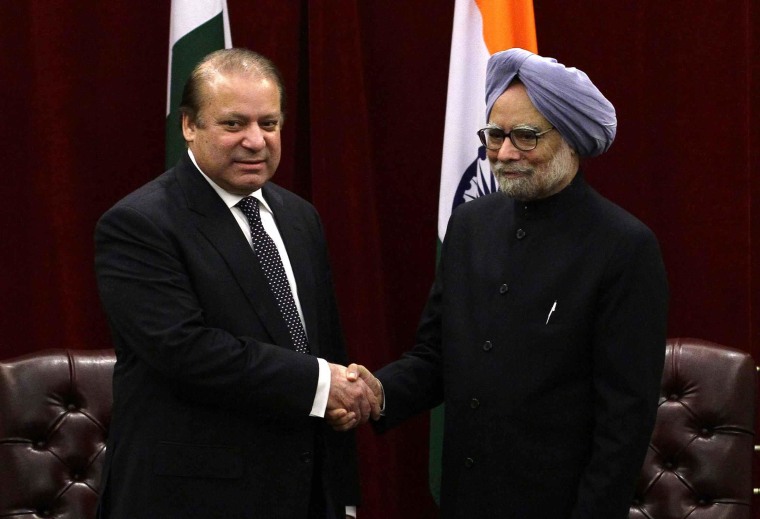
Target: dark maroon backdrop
83	100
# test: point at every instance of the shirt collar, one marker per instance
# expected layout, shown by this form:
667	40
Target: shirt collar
230	199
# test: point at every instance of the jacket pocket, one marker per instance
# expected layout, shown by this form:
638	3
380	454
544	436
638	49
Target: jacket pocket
198	461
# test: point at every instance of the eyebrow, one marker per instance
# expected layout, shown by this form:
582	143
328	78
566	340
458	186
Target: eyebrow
232	115
521	126
526	127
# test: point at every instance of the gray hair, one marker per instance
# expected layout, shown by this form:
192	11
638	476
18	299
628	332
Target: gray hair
226	61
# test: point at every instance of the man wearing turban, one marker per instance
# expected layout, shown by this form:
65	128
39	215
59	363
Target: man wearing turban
544	333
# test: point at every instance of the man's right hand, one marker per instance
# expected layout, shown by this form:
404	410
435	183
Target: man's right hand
357	371
351	402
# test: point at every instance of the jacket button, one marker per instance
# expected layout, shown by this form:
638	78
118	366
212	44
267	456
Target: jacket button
474	403
503	289
469	462
306	457
487	346
520	234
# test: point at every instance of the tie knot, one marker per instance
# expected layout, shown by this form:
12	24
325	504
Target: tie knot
250	207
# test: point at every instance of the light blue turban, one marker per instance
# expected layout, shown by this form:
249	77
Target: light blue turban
566	97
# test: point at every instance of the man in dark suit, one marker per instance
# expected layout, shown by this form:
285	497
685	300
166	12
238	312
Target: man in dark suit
544	333
218	291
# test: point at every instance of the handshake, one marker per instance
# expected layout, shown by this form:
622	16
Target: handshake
355	396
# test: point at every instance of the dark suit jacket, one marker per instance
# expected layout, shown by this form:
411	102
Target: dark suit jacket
548	413
211	401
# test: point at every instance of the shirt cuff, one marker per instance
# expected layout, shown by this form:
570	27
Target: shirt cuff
319	406
351	510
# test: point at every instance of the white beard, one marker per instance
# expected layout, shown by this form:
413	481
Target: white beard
538	182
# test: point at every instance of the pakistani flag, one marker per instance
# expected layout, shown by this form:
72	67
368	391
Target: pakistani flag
481	28
197	27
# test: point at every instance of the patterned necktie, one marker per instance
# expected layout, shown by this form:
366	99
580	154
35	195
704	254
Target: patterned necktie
271	263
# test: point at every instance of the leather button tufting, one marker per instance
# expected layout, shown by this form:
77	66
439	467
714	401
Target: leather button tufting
474	403
487	346
520	234
469	462
503	289
306	457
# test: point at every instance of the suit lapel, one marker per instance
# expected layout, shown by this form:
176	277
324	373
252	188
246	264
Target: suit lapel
296	237
216	223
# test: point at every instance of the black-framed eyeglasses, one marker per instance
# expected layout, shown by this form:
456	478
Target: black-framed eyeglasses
524	139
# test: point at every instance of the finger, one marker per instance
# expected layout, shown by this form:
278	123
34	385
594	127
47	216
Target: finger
363	373
352	372
374	403
355	410
336	414
367	376
346	419
375	410
366	408
349	421
346	426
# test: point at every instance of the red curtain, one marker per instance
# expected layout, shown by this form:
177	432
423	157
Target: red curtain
83	102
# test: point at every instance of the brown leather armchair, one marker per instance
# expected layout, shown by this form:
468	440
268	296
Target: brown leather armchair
55	410
699	462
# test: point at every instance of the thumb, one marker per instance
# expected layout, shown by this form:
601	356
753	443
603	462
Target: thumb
352	372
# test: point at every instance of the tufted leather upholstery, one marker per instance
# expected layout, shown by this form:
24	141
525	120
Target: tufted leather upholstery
699	461
55	410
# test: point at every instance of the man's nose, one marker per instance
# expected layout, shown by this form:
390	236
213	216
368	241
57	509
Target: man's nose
508	151
254	137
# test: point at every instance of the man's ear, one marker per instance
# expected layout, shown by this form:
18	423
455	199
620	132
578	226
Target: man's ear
188	128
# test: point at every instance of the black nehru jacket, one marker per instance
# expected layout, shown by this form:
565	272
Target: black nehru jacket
544	334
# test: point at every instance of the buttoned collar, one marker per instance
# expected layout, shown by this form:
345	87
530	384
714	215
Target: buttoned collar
570	196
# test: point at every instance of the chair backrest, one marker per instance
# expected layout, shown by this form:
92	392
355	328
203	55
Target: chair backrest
699	463
55	411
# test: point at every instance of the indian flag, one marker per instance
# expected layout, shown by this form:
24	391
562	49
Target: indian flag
481	28
197	27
